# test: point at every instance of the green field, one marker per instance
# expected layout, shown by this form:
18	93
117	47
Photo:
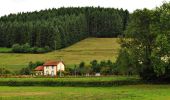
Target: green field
85	50
5	50
139	91
129	92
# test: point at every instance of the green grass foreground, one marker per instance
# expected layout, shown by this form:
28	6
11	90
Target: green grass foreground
90	88
85	50
128	92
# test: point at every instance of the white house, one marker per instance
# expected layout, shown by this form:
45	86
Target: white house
50	68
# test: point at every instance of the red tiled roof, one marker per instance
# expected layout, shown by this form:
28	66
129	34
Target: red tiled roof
49	63
39	68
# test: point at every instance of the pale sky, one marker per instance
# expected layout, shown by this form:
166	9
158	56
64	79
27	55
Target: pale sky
15	6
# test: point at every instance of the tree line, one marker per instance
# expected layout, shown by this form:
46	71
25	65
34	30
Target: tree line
59	28
56	33
104	67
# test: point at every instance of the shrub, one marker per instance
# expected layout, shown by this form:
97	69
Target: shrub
125	63
40	50
47	48
29	69
4	71
16	48
25	71
32	65
105	70
11	83
95	66
26	48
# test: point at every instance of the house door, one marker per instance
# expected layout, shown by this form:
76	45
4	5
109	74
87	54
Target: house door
52	73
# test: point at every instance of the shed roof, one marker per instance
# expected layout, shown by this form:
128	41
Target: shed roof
39	68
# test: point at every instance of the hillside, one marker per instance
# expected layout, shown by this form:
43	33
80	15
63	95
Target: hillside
85	50
60	28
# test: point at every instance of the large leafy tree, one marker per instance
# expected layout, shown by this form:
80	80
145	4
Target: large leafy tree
147	40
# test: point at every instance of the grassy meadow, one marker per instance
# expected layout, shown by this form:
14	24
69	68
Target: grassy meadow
139	91
128	92
85	50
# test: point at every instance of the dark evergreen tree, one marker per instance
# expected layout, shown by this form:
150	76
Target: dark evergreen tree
58	28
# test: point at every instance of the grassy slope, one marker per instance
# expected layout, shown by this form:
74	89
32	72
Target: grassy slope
131	92
85	50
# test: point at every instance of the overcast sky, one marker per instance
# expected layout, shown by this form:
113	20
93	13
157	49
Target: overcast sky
15	6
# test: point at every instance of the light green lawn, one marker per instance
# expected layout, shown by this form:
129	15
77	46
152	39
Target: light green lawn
129	92
85	50
4	50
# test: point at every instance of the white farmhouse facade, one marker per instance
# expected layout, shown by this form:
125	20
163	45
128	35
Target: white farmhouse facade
50	68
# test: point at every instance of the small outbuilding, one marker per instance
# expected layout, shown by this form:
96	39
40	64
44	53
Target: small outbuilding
39	70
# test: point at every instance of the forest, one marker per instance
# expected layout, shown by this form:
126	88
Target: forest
59	28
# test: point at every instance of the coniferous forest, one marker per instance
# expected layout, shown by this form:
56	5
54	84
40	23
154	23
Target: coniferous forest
59	28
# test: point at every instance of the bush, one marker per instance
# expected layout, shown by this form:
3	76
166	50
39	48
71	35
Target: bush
33	49
26	48
4	71
29	69
105	70
16	48
40	50
95	66
105	67
125	63
25	71
47	48
32	65
11	83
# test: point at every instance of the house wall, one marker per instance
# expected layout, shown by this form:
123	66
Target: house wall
38	72
50	70
60	66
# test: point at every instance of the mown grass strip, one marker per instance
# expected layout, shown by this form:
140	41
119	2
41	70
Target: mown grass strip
80	82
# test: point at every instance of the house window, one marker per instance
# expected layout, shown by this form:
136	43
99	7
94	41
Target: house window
47	73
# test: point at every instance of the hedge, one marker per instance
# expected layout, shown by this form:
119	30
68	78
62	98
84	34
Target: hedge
70	83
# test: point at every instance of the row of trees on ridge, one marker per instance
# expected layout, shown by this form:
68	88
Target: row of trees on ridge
59	28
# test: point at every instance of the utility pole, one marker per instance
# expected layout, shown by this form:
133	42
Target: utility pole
75	70
60	67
